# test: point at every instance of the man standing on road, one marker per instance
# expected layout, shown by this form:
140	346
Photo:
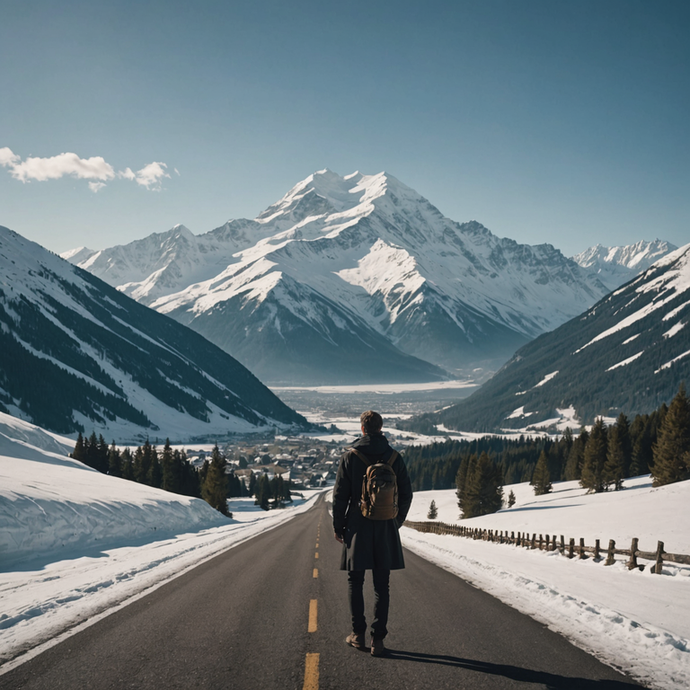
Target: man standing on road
369	544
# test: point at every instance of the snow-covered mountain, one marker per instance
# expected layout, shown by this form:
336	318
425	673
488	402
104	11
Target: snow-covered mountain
615	266
352	278
76	354
628	353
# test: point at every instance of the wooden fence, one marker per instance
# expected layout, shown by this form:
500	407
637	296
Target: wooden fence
552	543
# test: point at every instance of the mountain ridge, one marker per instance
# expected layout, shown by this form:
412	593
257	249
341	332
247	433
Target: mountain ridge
615	266
116	366
627	353
384	263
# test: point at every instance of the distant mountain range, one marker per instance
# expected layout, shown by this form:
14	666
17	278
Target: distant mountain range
76	354
628	353
351	279
615	266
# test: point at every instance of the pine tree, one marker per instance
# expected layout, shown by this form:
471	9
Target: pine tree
215	489
643	435
433	511
191	476
672	449
147	453
595	459
171	468
483	491
252	484
114	461
287	496
623	427
564	447
102	455
234	485
155	473
613	471
262	491
511	499
541	479
79	453
464	473
576	456
127	465
91	451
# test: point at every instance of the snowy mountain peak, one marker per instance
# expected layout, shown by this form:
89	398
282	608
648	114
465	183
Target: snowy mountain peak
362	260
616	265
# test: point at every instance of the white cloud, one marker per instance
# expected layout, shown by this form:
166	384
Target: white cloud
95	169
127	174
151	175
54	168
7	158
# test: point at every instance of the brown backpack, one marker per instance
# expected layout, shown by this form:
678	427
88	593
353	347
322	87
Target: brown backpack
379	488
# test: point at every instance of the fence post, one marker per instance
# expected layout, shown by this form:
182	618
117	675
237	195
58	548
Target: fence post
571	547
583	555
632	563
658	565
562	546
534	539
541	542
597	550
610	556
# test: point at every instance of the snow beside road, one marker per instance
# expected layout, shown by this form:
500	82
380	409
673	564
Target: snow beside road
635	621
75	543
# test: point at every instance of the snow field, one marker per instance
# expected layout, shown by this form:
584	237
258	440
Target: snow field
632	620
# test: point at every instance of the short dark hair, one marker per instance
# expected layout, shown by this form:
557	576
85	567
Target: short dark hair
371	422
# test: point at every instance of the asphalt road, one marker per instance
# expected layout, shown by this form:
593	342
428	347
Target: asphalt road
272	613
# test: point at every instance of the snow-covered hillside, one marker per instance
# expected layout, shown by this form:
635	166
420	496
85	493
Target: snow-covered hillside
615	266
628	353
75	542
77	354
344	276
633	620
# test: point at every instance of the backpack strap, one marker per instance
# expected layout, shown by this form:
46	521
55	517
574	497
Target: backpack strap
392	458
368	462
361	456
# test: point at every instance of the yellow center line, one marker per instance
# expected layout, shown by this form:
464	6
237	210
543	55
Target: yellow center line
316	573
311	672
312	616
316	555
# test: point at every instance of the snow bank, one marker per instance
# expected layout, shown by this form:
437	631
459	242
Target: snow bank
54	507
75	544
632	620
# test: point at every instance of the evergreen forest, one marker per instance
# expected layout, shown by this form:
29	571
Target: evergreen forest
171	470
599	458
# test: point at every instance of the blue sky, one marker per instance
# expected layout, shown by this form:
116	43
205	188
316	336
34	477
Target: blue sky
546	120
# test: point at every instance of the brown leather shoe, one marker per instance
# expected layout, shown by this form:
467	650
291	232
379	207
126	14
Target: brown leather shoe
377	648
355	640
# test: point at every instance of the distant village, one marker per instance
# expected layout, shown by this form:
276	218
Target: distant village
304	462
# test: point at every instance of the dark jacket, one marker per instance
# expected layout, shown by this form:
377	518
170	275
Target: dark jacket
368	544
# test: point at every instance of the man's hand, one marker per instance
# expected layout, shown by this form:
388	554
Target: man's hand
338	537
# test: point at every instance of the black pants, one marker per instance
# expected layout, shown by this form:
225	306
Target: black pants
355	581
